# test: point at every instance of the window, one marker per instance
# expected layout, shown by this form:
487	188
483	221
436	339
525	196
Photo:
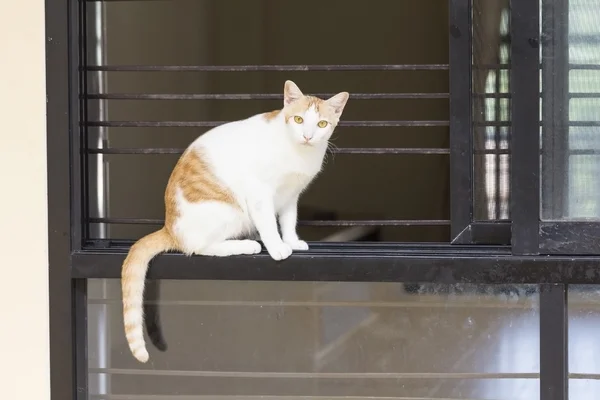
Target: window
459	197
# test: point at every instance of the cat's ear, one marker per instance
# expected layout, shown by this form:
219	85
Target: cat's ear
338	102
291	93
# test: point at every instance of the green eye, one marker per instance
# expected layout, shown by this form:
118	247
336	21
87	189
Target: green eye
322	124
298	119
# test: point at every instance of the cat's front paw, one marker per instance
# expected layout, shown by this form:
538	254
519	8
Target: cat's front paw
297	244
279	251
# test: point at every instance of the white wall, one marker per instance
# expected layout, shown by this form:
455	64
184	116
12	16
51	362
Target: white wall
24	366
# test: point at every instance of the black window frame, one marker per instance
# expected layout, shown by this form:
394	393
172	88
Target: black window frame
470	258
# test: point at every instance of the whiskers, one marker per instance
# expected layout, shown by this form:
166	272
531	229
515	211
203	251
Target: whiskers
331	150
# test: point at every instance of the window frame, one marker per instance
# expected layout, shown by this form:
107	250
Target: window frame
533	235
71	262
464	228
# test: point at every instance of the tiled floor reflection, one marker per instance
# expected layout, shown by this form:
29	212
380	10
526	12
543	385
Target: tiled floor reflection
248	340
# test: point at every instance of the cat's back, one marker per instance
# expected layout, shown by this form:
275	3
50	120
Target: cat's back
241	147
237	133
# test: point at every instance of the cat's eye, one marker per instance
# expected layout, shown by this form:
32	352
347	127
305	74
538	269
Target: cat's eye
298	119
322	124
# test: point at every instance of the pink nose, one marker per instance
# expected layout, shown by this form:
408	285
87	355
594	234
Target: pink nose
306	138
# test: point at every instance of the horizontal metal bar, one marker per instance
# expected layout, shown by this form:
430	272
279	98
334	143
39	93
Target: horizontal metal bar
593	67
388	222
574	95
210	124
273	96
350	124
469	303
257	96
342	150
245	397
485	232
339	263
354	247
302	68
509	123
247	68
569	237
316	375
374	150
576	152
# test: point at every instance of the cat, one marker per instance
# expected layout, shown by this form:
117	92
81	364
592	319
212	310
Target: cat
231	183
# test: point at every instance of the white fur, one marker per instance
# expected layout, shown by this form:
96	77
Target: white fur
266	165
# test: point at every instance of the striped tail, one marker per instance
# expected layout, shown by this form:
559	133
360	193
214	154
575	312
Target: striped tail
133	277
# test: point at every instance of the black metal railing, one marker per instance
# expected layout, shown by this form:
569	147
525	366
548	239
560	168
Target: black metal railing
551	255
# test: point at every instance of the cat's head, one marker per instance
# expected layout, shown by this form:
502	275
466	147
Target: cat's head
311	120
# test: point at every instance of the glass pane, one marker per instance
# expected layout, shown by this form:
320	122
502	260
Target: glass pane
570	110
491	109
584	348
311	340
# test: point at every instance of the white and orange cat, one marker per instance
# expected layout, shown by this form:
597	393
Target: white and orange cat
233	182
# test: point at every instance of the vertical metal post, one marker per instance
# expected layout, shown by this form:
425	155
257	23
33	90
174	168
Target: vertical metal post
97	194
525	141
461	147
80	334
555	108
554	360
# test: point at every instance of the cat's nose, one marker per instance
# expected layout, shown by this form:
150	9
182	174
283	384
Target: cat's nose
306	138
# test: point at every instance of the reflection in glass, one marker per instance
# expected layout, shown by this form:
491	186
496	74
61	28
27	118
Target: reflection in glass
584	347
491	109
322	340
570	109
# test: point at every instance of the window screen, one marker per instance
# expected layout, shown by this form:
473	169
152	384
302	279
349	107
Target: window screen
571	110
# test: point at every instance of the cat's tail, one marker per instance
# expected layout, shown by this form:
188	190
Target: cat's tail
133	277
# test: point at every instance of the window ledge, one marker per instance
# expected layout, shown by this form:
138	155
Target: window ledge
356	262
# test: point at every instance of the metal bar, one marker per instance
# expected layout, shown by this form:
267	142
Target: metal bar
342	150
76	114
339	263
486	232
373	124
81	338
257	96
336	151
468	303
573	95
419	249
274	96
59	27
315	375
252	397
590	67
554	345
555	107
525	162
210	124
461	159
248	68
496	185
569	237
388	222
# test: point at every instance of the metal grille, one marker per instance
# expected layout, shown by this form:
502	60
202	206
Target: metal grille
395	123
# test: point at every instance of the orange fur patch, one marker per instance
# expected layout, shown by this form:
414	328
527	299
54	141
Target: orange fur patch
193	176
270	116
303	104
